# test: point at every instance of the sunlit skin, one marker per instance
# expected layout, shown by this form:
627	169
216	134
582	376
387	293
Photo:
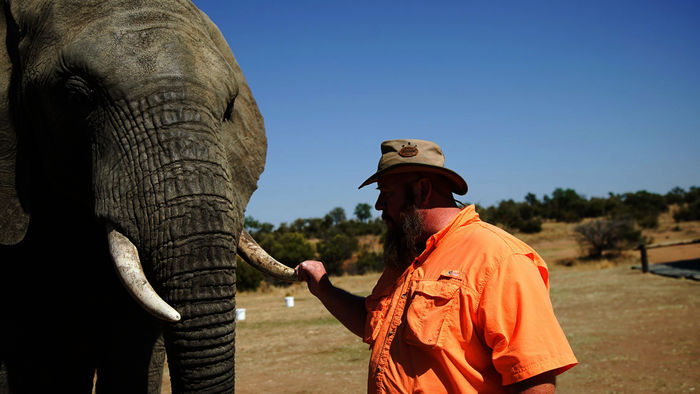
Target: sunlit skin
432	198
431	195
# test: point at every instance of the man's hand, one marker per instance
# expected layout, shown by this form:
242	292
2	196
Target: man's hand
348	308
314	274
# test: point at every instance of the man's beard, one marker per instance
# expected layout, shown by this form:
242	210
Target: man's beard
403	245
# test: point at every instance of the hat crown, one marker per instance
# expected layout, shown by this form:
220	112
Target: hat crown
413	151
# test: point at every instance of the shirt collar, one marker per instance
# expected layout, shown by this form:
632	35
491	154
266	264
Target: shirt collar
466	216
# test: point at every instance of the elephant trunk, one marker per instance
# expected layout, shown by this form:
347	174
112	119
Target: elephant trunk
195	273
165	183
202	288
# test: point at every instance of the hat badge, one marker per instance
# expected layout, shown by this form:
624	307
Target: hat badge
408	150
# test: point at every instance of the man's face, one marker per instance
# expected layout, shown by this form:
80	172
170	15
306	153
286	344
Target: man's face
395	197
404	238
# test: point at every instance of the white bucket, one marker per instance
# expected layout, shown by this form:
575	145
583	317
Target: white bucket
289	301
240	314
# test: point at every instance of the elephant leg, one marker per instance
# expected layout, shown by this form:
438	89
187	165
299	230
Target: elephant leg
155	368
4	384
132	363
45	346
132	353
42	367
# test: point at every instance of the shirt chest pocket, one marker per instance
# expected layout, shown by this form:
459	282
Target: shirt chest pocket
429	314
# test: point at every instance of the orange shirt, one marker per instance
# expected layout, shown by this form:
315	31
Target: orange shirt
470	315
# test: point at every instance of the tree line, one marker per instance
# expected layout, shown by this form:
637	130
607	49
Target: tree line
334	238
565	205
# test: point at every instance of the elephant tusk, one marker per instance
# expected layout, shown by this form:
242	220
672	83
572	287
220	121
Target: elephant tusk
256	256
126	261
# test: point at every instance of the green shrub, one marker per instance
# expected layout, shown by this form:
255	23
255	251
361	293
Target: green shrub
289	248
337	214
644	207
369	262
531	226
363	211
692	195
355	228
255	228
335	250
689	203
675	196
600	235
688	212
514	215
596	207
565	205
247	277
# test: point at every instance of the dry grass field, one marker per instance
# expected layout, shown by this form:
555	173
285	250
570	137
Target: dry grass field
631	332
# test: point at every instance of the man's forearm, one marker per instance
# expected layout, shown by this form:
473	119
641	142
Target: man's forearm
348	308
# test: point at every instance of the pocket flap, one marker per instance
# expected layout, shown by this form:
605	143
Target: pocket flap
435	289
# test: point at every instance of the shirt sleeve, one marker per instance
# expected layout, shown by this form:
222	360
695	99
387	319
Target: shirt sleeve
518	322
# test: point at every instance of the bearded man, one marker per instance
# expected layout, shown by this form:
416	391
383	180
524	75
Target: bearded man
462	306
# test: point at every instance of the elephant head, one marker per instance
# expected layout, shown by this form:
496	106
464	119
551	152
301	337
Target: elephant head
127	133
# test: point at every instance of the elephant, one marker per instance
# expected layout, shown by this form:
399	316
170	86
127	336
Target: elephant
130	145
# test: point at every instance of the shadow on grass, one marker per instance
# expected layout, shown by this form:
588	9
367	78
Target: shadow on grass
689	269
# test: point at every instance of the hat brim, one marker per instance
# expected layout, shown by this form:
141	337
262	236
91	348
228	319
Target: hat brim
459	185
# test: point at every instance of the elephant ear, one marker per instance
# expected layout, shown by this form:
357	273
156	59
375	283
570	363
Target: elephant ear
247	146
13	219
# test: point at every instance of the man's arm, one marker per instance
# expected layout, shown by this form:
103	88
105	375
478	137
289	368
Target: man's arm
543	383
348	308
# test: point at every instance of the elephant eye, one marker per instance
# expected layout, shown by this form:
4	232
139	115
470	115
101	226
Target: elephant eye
78	90
228	114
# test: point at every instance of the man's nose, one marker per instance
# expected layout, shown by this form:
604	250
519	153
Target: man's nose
379	205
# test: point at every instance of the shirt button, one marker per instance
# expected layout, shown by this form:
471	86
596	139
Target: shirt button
391	333
379	369
404	295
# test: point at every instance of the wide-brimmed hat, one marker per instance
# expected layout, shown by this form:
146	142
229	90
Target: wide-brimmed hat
411	155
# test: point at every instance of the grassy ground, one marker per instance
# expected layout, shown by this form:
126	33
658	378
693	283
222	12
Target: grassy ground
299	349
631	332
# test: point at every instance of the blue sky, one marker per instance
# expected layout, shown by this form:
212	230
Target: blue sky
598	96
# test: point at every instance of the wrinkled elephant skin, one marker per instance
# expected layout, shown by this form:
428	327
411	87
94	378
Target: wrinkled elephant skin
134	116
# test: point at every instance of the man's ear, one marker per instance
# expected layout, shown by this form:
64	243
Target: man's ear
422	192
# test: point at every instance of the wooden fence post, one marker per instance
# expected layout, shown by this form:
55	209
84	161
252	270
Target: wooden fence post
643	249
645	261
